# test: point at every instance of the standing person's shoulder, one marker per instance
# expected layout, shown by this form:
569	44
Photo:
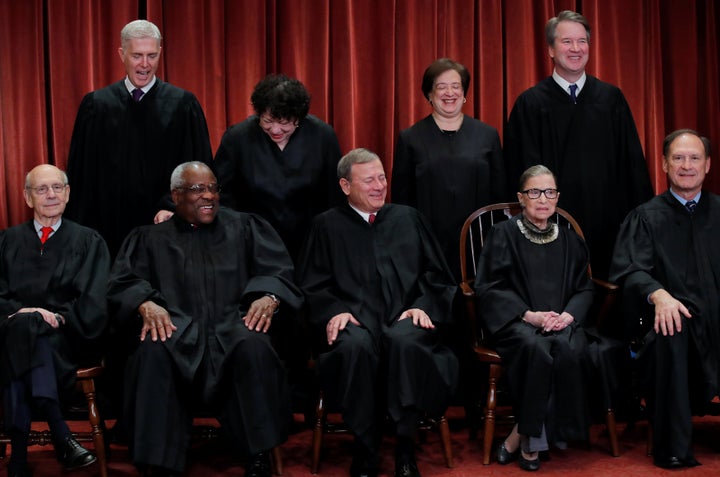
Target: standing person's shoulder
317	124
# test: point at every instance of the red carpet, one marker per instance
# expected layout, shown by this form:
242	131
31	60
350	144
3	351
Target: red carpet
209	459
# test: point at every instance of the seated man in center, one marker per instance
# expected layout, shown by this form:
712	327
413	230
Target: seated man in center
201	291
378	290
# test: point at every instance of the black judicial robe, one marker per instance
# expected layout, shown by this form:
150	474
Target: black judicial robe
286	187
206	278
374	272
661	245
515	275
377	272
448	176
67	275
123	152
594	150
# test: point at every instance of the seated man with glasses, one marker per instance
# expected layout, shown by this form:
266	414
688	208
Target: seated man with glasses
201	291
53	274
534	294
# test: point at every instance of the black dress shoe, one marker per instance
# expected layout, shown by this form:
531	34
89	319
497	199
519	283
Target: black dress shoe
673	462
259	466
504	456
527	464
74	456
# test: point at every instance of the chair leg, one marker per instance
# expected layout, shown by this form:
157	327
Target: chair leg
88	387
318	434
276	461
612	433
444	429
494	375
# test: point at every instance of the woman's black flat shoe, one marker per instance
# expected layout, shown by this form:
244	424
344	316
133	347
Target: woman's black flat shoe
529	465
504	456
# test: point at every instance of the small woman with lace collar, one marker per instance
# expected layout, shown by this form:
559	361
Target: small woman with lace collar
533	293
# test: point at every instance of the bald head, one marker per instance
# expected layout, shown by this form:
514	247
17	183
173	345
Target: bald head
46	192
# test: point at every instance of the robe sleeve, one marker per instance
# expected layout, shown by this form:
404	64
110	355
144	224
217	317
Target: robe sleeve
129	285
403	174
86	313
523	140
315	277
435	284
271	268
498	302
82	169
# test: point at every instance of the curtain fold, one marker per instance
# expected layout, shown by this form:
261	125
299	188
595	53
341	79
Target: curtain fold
361	60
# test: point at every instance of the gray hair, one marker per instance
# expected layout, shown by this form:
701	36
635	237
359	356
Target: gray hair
62	174
356	156
534	171
177	180
564	16
139	29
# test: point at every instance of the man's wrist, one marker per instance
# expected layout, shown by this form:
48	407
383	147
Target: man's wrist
275	300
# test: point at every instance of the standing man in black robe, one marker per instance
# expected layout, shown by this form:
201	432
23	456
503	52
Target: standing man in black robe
201	290
582	129
667	262
53	274
378	290
127	139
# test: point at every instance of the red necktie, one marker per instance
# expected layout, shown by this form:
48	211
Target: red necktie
46	231
371	218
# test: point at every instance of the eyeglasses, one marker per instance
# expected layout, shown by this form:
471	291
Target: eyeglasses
43	189
535	193
199	189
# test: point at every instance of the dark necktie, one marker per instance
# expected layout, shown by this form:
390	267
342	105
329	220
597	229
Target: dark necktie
691	205
137	94
46	231
371	219
573	89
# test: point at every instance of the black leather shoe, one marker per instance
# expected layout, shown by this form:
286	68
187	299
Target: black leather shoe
259	466
407	469
504	456
527	464
674	462
74	456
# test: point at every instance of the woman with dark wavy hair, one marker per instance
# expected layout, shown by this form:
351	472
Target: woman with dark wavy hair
280	162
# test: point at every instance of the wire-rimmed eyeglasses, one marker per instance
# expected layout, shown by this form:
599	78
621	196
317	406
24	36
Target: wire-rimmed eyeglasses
535	193
44	189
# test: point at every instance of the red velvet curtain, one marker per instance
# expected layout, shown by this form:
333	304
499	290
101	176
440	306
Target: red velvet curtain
361	60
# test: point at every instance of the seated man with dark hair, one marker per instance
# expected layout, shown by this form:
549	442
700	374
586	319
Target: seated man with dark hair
667	260
378	288
201	290
53	274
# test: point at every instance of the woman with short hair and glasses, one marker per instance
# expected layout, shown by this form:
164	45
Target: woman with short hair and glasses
534	293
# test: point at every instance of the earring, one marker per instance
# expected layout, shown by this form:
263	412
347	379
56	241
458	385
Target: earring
464	100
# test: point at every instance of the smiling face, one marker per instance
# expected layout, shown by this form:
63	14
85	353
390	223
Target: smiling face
447	95
686	165
538	210
570	51
279	130
141	57
197	207
367	188
47	194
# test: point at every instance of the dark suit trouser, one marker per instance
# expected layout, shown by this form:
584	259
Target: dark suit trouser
252	401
